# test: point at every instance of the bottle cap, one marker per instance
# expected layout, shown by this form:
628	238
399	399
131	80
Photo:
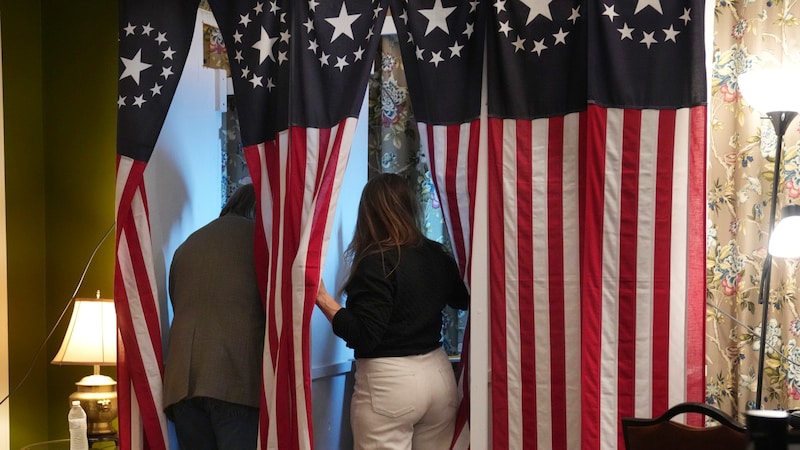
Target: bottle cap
76	402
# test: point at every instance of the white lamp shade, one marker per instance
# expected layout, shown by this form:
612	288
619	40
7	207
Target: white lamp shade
784	242
769	89
91	337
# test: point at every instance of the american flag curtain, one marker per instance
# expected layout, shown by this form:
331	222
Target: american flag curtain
442	48
300	71
154	40
596	221
596	149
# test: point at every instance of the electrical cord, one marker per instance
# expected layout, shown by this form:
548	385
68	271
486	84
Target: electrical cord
752	332
61	317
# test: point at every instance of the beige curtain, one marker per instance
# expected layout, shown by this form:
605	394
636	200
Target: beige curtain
748	34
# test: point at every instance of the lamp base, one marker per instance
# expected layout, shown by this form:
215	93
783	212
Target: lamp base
98	397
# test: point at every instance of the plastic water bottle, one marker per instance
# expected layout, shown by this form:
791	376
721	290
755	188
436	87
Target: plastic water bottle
78	439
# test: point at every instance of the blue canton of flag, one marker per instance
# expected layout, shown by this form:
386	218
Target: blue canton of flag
338	41
536	58
154	42
257	38
651	47
442	47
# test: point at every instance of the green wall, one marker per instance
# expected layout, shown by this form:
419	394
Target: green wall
59	83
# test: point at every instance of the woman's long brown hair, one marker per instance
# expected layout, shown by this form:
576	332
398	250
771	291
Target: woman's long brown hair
388	217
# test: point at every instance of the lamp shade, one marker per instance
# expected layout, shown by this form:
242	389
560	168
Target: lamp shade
91	337
784	242
769	89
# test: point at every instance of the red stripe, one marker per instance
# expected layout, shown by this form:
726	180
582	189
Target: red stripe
131	359
525	311
593	174
555	238
472	181
662	255
627	282
696	281
497	291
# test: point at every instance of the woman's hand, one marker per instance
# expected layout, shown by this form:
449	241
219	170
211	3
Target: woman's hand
326	303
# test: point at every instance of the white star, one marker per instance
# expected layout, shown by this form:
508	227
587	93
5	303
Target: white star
642	4
270	84
343	24
156	89
273	7
671	34
256	81
455	50
238	56
561	36
259	8
358	54
420	54
610	12
285	35
244	19
312	45
309	25
146	30
404	17
341	63
237	37
437	17
168	53
282	58
161	38
166	72
648	39
626	32
473	5
505	28
538	46
500	5
245	73
519	44
134	67
376	11
323	59
436	58
264	46
312	5
686	17
139	100
469	30
369	35
130	29
575	15
121	101
537	8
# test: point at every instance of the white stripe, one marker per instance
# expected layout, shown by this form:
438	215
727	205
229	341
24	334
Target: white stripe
572	280
463	196
510	215
648	151
678	264
609	319
541	274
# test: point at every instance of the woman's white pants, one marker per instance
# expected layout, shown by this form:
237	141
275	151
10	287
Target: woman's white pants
403	403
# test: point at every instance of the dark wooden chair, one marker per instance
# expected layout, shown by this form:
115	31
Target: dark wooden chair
663	433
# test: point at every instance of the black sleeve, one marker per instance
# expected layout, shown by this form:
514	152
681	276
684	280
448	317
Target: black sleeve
363	322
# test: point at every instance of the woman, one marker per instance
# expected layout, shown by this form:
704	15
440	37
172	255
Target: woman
405	389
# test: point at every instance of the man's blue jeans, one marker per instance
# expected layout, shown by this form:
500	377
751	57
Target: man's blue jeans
203	423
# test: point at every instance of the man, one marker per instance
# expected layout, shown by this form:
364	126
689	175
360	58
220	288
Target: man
212	377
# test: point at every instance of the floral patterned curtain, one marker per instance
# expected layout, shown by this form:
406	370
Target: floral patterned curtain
741	158
394	147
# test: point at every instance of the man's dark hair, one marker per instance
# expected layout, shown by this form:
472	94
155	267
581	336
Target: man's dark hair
242	203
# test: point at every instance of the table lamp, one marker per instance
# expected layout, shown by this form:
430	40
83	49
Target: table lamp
766	90
91	339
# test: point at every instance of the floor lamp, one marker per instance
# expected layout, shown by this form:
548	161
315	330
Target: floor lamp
765	90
